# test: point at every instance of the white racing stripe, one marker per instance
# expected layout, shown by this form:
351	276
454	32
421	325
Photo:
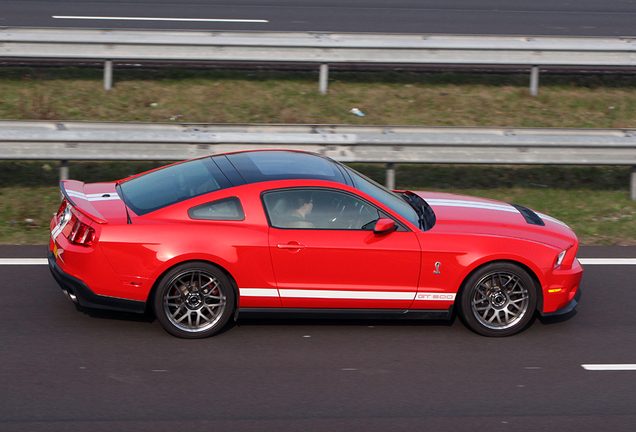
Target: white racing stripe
258	292
471	204
485	206
94	197
609	367
76	17
550	218
346	295
56	231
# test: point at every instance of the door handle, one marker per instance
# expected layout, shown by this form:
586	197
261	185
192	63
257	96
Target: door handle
291	245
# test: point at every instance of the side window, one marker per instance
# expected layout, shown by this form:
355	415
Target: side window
319	209
223	209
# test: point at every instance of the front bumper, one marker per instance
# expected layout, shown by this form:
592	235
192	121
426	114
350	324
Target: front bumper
565	309
80	293
560	289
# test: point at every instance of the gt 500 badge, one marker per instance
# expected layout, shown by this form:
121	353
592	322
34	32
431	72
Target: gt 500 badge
435	296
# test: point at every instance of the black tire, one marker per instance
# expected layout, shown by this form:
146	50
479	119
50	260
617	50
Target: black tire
499	299
194	300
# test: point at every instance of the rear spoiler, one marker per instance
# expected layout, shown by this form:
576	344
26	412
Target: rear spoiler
73	191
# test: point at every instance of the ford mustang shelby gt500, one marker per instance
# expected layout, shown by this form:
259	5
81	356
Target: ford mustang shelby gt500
202	241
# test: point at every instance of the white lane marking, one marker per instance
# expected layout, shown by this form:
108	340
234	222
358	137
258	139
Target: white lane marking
258	292
358	295
607	261
159	19
24	261
609	367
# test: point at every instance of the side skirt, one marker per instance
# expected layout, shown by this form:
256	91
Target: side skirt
307	313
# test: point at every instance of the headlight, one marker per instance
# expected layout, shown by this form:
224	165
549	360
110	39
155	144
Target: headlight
560	259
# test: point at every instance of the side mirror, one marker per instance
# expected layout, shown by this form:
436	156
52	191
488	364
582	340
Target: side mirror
384	226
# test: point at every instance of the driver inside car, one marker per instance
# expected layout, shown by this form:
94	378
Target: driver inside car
301	205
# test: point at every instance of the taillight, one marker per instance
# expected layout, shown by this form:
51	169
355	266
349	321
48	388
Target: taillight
64	214
81	234
62	208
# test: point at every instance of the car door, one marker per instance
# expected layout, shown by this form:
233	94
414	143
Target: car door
330	257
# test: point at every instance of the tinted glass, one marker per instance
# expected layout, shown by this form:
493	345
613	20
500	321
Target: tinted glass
384	195
281	165
225	209
228	169
319	209
172	184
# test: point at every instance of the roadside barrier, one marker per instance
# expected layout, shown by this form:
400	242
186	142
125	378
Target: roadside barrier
322	49
64	141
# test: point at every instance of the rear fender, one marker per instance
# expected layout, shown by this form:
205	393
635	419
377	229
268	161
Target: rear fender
224	270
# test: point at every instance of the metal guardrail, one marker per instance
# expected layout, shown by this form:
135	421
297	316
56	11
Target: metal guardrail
42	140
319	48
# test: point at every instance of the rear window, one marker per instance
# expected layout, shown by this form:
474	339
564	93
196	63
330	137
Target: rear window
172	184
284	165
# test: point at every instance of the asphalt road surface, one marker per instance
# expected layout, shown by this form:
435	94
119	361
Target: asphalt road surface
509	17
64	369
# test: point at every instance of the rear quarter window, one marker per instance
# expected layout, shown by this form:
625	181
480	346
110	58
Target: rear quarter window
223	209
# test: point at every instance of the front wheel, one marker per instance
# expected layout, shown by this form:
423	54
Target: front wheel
194	300
498	300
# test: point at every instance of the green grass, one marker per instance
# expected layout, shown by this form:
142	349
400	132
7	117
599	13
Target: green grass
25	213
263	96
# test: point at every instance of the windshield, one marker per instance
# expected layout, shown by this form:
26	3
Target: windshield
384	195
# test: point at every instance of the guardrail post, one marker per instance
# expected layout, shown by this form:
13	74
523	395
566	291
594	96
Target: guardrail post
534	81
632	184
108	75
323	79
390	176
63	170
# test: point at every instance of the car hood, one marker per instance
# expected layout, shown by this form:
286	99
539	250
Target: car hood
480	216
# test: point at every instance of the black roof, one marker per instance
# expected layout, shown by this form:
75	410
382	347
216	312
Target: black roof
166	186
259	166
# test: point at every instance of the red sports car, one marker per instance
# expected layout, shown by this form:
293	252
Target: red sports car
285	232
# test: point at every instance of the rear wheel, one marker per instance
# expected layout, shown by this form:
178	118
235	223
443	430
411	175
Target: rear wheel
498	300
194	300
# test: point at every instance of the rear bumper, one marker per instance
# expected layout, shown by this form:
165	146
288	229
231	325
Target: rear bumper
80	293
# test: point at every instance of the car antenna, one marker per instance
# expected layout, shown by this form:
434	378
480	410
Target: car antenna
121	194
128	221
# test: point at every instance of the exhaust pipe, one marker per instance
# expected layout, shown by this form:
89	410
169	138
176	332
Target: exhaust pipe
69	295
